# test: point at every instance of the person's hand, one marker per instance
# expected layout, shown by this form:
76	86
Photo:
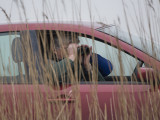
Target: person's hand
72	51
87	64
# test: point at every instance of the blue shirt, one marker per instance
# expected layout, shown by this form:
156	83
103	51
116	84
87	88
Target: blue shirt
105	67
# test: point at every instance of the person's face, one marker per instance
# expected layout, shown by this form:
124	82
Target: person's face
61	52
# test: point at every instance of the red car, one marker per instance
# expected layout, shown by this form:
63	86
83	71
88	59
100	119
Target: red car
129	92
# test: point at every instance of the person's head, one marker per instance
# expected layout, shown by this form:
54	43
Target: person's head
61	41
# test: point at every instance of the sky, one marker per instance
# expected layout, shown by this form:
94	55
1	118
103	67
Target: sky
123	13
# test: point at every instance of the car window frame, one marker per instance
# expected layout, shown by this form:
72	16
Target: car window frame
108	43
102	41
87	30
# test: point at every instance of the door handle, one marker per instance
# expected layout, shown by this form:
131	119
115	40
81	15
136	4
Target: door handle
62	98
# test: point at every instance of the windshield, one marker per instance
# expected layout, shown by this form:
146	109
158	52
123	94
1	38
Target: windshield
143	44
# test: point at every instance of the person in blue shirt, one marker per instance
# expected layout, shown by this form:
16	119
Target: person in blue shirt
105	67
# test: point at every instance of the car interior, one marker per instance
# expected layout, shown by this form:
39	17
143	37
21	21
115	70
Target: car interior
132	79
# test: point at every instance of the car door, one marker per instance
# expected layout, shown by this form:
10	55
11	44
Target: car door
103	100
122	94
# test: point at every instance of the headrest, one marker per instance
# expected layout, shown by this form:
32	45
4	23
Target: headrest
17	54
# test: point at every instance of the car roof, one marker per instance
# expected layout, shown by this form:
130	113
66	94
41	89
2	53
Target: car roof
93	25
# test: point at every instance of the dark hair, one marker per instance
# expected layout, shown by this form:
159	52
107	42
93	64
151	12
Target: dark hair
52	40
61	38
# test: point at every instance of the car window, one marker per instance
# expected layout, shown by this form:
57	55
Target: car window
111	53
143	43
8	65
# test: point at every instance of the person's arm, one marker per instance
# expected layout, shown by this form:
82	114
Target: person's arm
61	68
89	68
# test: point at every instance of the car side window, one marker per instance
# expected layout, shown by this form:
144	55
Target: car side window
123	64
10	62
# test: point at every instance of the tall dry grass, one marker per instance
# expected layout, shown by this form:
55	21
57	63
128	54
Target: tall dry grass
42	85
